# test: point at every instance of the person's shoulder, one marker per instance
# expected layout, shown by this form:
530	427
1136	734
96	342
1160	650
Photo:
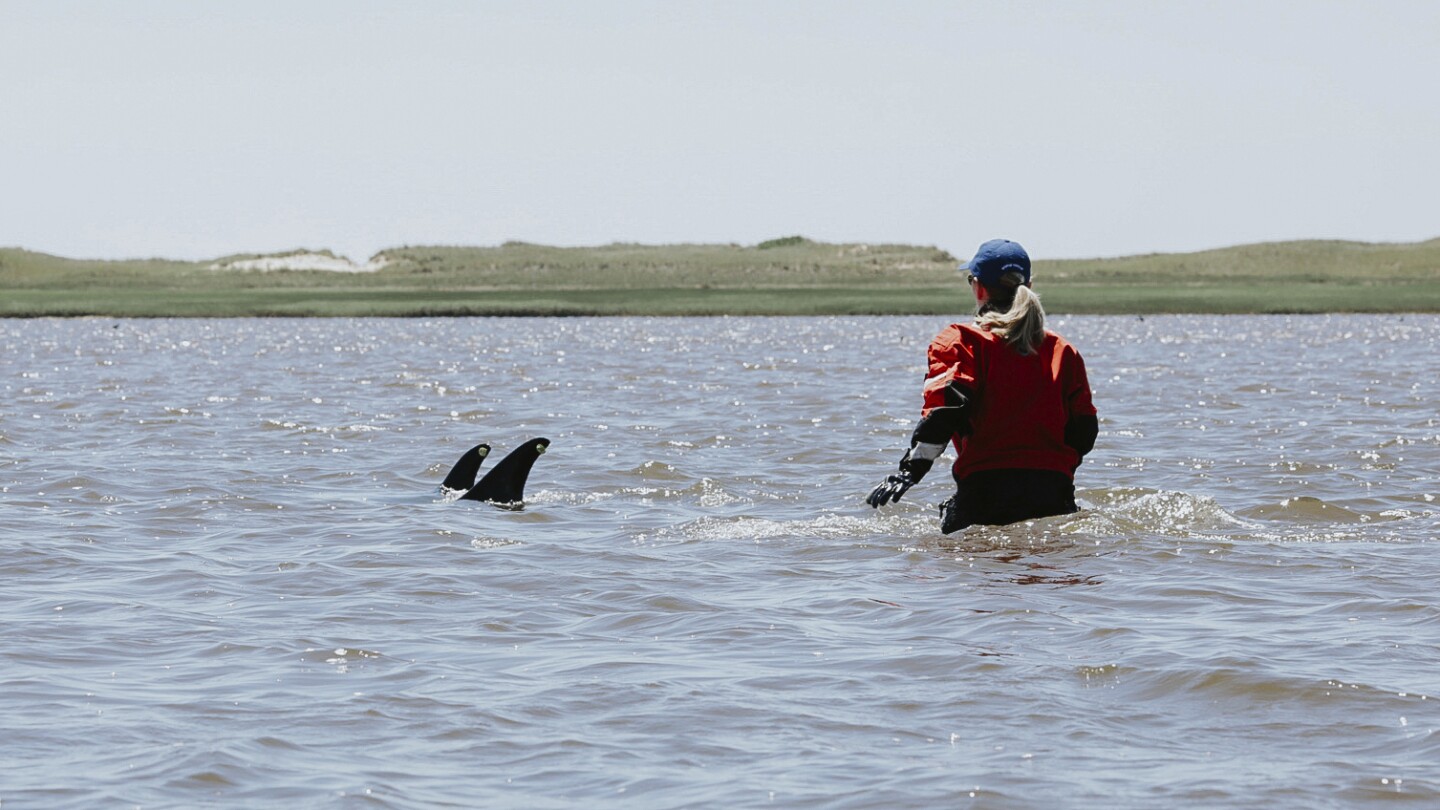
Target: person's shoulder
1057	344
1051	336
957	334
949	334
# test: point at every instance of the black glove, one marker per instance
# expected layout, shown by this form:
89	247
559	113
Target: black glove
911	471
891	490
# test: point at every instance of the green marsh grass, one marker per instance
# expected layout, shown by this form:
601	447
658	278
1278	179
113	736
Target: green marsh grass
788	276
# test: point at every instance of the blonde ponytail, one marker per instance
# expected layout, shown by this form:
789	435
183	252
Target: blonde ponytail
1020	322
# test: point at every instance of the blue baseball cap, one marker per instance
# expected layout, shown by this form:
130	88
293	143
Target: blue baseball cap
996	258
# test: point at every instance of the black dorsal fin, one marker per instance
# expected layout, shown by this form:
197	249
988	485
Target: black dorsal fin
506	482
462	475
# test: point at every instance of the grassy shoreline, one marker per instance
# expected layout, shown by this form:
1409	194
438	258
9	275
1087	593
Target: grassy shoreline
784	277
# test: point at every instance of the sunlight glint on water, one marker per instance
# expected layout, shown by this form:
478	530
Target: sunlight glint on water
230	579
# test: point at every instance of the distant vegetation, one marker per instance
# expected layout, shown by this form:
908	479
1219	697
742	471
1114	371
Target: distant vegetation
789	275
784	241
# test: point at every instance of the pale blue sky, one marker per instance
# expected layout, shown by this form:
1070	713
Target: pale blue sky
196	129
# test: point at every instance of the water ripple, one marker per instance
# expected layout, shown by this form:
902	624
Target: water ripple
230	580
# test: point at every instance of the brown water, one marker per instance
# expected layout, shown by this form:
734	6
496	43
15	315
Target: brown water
229	581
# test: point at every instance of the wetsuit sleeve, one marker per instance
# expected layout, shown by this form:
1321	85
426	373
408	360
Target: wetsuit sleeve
948	395
944	414
952	366
1082	425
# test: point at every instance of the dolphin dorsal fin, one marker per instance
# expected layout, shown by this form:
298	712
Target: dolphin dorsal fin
462	475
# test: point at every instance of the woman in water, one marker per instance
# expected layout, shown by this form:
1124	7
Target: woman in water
1013	398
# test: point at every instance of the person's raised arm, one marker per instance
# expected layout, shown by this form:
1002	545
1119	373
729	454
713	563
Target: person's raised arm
949	395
